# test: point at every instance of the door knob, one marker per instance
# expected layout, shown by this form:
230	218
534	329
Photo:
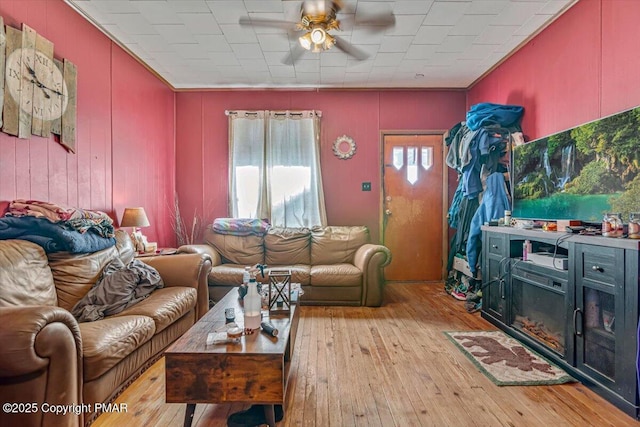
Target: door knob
387	212
388	198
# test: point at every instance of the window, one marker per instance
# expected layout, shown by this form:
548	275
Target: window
275	167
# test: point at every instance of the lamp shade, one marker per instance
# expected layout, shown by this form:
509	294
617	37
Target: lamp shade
134	217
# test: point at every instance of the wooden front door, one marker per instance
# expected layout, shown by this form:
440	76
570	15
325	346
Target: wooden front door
413	207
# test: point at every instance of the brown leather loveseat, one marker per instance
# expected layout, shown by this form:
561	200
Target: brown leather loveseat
50	363
336	265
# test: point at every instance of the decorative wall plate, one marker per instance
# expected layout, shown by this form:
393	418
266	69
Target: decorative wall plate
344	147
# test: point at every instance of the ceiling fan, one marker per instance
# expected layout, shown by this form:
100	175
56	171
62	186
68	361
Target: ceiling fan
317	19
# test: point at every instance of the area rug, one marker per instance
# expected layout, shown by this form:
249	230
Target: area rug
506	361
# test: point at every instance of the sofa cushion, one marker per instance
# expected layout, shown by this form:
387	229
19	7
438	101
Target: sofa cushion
164	306
287	246
335	245
106	342
336	275
243	250
25	275
300	273
75	274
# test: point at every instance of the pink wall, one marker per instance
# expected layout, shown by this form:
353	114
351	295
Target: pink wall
583	67
125	128
202	142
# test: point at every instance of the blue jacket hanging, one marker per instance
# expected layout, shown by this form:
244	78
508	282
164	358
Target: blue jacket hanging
494	202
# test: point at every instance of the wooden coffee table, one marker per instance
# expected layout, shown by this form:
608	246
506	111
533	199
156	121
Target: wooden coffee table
255	370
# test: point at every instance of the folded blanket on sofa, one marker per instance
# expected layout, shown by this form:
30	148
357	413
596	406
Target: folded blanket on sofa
120	286
53	237
241	226
81	220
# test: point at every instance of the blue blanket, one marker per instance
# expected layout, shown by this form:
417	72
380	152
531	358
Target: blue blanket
486	114
53	237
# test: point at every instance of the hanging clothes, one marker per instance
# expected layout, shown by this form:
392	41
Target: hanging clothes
495	201
486	114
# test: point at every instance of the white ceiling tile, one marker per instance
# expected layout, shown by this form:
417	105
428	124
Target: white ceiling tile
175	33
157	12
114	6
518	12
333	60
388	59
478	51
254	64
191	51
263	5
406	25
432	34
367	9
411	65
247	51
256	17
119	34
234	33
446	13
227	12
274	58
282	71
421	51
213	43
188	6
395	43
363	36
496	34
224	58
154	43
273	42
510	44
306	66
202	64
442	58
412	7
132	23
472	25
354	66
456	44
200	23
486	7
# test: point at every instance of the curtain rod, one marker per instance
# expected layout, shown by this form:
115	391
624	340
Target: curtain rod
275	113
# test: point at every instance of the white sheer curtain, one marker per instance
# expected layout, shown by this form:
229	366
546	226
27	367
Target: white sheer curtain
276	174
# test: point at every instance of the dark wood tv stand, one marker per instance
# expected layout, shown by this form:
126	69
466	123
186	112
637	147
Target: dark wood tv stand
586	317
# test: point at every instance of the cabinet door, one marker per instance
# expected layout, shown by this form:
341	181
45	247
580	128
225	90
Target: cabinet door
599	318
494	276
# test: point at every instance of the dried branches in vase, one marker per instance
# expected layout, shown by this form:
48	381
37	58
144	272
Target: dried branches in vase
185	235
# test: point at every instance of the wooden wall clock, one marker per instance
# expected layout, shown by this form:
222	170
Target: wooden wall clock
39	92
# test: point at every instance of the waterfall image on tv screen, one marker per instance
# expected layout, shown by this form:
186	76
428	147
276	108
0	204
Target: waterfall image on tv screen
581	173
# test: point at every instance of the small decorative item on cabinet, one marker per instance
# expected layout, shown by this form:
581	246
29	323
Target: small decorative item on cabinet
634	225
612	225
279	291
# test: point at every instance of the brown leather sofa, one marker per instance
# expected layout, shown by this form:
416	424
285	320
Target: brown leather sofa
51	363
334	265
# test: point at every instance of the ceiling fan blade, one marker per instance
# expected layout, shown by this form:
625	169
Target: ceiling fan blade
350	49
293	55
245	21
373	23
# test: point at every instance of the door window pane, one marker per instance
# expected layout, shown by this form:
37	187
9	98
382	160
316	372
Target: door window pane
412	165
398	157
427	157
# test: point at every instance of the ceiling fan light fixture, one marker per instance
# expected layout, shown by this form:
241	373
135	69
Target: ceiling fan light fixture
305	41
328	42
318	35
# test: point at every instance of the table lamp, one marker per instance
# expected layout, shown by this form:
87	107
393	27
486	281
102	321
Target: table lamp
135	218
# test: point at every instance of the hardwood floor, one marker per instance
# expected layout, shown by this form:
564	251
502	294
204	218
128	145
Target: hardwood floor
386	366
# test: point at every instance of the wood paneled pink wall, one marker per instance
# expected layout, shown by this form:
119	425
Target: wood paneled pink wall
582	67
202	142
125	128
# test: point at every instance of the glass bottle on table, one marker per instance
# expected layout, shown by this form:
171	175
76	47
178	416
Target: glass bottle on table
252	306
634	225
612	225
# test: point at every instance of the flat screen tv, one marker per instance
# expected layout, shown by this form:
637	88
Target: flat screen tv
580	173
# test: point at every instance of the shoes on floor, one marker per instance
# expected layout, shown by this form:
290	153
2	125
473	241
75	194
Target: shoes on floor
459	295
253	417
474	296
473	306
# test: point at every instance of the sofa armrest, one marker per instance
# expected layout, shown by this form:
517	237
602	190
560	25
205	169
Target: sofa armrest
371	259
40	362
190	270
216	259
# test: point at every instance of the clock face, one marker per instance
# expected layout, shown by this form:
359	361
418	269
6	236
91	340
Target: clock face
45	77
